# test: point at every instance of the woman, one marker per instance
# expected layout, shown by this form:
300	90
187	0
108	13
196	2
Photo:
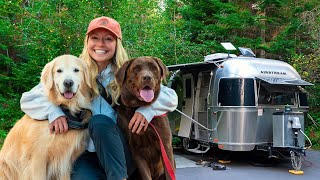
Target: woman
107	155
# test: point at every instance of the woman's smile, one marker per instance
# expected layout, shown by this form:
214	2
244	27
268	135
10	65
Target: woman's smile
102	47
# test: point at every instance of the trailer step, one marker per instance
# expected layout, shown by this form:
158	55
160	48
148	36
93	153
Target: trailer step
199	149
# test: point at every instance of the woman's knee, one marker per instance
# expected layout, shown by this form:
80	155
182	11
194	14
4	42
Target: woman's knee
101	120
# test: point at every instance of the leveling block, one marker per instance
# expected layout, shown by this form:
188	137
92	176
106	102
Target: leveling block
224	161
295	172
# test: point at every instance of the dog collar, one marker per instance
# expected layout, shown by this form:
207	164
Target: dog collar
75	121
163	115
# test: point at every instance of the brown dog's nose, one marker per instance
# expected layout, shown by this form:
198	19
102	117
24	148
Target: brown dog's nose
146	78
68	83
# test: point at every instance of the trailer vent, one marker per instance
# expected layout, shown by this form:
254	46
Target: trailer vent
246	52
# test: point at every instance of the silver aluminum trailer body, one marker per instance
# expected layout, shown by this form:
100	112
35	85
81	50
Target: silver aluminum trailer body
242	100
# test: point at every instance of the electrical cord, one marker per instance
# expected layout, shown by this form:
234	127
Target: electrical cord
307	138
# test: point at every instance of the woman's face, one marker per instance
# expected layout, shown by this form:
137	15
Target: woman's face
101	46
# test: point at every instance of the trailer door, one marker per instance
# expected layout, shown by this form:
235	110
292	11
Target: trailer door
187	105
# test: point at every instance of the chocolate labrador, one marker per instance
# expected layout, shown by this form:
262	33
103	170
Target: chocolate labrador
140	80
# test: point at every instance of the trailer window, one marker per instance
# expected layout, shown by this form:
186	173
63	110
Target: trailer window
236	92
303	99
271	94
188	88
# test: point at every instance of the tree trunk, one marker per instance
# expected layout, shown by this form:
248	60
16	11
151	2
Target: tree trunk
263	32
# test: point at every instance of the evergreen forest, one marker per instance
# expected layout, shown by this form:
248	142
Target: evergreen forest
33	32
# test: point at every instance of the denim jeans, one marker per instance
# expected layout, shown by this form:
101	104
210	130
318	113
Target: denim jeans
112	159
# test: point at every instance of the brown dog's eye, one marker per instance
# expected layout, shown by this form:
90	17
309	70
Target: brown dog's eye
76	70
59	71
154	67
137	68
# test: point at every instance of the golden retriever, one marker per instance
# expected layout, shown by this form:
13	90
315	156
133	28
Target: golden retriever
29	151
140	80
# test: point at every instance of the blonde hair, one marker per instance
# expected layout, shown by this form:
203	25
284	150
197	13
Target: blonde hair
117	61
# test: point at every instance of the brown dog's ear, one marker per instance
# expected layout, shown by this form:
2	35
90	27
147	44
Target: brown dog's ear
120	75
47	75
163	68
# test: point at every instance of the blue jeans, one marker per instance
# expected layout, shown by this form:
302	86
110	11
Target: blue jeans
112	159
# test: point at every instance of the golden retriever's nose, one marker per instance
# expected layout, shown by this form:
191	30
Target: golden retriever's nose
68	83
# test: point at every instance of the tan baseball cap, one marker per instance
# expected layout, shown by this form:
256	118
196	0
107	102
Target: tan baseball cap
105	23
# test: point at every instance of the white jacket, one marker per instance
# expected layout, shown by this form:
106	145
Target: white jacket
36	105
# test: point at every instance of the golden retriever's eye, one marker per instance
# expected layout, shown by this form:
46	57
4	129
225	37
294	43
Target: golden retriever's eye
59	71
76	70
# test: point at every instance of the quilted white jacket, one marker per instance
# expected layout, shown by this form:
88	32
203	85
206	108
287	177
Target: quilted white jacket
36	105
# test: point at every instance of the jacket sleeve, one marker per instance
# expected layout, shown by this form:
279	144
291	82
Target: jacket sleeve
167	101
36	105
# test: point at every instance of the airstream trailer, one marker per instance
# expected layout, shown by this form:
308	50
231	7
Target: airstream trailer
239	103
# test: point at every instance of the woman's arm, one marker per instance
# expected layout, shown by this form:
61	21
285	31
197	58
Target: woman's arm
36	105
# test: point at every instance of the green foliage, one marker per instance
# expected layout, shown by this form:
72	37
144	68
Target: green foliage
34	32
314	134
176	141
309	68
9	114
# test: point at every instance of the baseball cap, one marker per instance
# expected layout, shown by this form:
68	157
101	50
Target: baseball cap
105	23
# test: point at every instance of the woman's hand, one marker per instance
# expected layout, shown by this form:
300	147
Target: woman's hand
137	123
59	125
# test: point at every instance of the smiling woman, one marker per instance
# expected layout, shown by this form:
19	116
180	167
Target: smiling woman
108	155
101	46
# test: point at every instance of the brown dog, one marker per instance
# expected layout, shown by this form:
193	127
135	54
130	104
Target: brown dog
30	151
140	81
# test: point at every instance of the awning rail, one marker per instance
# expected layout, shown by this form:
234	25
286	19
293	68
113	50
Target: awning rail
293	82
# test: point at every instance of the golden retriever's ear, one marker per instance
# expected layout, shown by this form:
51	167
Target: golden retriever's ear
163	68
120	75
47	75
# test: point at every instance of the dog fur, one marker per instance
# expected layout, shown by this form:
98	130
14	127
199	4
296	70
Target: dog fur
133	76
30	152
